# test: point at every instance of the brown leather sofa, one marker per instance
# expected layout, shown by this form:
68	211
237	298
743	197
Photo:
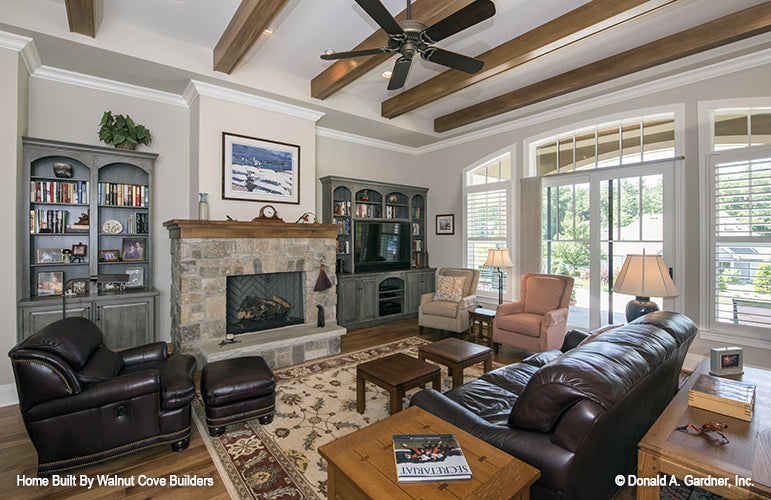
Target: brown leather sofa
83	403
576	413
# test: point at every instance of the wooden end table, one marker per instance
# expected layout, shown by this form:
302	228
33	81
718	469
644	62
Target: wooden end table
361	465
480	325
456	355
397	374
745	459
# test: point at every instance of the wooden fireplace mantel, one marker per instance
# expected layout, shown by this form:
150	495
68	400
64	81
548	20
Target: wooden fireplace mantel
190	228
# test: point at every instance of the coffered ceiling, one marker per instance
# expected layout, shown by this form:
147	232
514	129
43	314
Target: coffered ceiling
534	52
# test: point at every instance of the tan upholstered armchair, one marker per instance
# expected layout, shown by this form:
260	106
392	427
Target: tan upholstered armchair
539	320
451	314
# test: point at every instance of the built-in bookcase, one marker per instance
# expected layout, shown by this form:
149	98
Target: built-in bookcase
87	214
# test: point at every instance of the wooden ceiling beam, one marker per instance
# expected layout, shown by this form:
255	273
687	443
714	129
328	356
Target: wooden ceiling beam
731	28
344	71
584	21
247	25
81	16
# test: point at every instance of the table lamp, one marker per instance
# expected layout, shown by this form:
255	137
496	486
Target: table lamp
499	257
644	276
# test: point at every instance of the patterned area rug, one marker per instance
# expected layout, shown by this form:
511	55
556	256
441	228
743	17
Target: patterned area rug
315	404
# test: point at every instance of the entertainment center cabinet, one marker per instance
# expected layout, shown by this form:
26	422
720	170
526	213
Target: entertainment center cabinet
95	200
384	281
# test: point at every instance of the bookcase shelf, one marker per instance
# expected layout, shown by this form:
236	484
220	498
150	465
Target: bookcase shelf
125	314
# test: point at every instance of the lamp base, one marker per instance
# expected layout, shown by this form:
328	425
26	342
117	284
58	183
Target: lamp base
639	307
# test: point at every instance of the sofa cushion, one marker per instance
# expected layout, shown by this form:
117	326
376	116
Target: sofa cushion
541	358
102	365
72	339
544	294
524	323
598	331
485	399
449	288
440	308
512	378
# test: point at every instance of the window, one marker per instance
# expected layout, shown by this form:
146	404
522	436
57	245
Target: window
608	191
487	191
740	128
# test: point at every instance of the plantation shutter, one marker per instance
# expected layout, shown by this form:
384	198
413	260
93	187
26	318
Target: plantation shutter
486	208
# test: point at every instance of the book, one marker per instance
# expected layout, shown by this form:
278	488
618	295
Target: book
429	457
725	396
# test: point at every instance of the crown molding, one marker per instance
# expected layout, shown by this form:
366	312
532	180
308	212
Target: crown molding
366	141
24	45
103	84
196	88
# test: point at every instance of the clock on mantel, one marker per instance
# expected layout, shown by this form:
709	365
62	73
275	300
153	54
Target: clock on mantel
268	214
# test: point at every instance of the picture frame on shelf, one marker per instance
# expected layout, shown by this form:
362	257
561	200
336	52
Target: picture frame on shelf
111	287
79	250
445	224
109	255
49	256
78	287
50	283
256	169
133	249
136	277
726	361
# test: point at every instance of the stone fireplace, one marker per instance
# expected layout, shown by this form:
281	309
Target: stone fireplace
266	261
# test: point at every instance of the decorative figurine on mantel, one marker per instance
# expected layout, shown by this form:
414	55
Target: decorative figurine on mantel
229	339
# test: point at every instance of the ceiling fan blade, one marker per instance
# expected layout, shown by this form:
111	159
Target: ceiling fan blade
452	60
380	15
399	74
356	53
465	18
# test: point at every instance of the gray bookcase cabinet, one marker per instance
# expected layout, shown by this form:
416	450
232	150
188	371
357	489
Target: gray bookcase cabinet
370	298
107	184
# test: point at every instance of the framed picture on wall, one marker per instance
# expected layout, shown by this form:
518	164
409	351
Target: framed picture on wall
445	224
260	170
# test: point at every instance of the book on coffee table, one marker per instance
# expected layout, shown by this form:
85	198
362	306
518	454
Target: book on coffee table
429	457
725	396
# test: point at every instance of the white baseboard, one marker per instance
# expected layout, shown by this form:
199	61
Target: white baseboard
8	395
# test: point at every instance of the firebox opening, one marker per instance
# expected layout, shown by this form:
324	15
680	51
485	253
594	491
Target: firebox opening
265	301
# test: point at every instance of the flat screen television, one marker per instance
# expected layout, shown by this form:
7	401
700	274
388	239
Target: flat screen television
381	246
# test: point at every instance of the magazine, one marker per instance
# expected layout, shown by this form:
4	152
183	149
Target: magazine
429	457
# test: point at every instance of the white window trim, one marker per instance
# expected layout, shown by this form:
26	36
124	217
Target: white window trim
513	225
707	329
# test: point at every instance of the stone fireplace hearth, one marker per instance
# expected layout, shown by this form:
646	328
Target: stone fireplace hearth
205	253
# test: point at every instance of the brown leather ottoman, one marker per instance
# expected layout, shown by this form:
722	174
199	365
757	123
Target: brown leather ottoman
237	389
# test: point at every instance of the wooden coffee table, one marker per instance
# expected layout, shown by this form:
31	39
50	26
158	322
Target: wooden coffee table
361	465
397	374
456	355
746	456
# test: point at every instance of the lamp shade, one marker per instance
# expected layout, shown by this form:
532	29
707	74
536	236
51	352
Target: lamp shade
645	276
498	257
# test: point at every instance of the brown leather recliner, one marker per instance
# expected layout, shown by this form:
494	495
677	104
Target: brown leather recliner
83	403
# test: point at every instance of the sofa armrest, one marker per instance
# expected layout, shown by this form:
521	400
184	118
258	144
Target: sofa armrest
535	448
426	297
554	317
148	353
510	308
468	302
114	390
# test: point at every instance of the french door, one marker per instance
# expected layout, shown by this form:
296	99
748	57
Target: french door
592	220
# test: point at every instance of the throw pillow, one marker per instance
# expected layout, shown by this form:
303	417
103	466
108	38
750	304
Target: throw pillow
449	288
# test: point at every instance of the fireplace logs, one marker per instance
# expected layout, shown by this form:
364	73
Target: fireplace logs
256	307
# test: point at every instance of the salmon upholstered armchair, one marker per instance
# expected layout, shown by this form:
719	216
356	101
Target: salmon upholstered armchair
537	322
447	309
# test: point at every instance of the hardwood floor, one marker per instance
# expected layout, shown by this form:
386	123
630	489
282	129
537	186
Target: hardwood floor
18	458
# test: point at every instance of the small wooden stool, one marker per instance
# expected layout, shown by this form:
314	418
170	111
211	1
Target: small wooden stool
456	355
397	374
480	325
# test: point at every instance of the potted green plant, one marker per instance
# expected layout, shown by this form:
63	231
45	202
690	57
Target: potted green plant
122	132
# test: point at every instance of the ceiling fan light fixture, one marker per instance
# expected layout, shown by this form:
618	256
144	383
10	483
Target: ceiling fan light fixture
386	74
329	51
269	30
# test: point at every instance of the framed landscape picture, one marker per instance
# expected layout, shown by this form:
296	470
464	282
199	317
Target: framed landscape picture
445	224
260	170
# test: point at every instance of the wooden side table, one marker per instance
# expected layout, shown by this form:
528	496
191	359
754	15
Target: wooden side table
744	463
480	325
456	355
397	374
361	465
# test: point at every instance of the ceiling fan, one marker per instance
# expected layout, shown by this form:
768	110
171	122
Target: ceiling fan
410	37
